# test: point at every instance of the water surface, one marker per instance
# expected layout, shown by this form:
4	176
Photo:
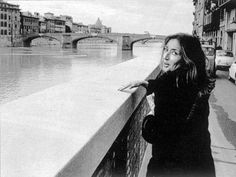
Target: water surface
24	71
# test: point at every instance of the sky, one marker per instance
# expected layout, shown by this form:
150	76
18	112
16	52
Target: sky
160	17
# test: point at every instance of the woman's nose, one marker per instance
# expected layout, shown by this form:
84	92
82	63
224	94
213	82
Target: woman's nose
166	55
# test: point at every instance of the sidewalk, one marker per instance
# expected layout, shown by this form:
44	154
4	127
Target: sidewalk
223	152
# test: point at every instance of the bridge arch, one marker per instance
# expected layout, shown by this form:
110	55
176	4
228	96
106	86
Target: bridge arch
143	39
75	41
27	41
137	40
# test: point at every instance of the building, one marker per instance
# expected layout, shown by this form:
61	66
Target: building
198	18
29	23
9	19
68	23
226	36
105	29
54	24
79	28
215	21
98	27
60	26
42	23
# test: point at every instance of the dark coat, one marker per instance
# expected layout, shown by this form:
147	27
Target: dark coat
183	141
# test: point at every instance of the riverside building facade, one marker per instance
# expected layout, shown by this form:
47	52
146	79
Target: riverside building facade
54	24
9	22
29	23
80	28
68	23
98	27
14	24
215	21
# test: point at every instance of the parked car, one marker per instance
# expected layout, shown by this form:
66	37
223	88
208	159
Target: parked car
224	59
232	72
210	53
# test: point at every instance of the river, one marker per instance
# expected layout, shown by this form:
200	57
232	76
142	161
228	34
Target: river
24	71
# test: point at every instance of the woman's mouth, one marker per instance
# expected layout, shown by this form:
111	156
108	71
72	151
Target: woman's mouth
165	65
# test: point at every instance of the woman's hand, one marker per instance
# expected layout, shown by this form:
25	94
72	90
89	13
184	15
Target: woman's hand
134	84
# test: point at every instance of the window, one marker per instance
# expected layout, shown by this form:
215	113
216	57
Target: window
221	14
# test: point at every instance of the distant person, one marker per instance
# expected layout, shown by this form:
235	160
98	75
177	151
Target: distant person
181	144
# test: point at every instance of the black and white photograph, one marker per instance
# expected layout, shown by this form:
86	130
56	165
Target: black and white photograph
118	88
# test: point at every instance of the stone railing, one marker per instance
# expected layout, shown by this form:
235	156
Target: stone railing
82	128
125	156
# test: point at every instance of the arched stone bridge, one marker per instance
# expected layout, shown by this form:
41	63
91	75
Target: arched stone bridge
124	41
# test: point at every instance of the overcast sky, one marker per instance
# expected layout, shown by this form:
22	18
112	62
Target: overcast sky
131	16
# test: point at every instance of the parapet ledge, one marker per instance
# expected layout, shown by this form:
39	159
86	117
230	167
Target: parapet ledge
68	129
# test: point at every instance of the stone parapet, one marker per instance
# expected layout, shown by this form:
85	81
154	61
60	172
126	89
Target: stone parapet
124	158
81	128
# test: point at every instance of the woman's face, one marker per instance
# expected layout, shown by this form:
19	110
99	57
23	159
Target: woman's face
171	55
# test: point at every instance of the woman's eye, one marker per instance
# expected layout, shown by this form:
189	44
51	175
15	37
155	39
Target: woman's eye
174	52
171	51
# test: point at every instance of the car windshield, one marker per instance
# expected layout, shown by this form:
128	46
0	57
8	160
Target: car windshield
225	53
209	51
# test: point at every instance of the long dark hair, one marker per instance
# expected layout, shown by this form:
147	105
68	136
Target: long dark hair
193	59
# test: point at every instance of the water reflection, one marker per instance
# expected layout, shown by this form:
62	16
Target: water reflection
24	71
124	55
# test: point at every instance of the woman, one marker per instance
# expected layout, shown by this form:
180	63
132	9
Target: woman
181	146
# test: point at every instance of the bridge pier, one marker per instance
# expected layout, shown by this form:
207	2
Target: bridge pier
125	43
66	41
74	45
27	43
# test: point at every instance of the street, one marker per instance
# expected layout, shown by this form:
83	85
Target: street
222	125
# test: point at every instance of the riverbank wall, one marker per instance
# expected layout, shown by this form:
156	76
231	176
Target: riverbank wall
5	41
8	41
95	131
